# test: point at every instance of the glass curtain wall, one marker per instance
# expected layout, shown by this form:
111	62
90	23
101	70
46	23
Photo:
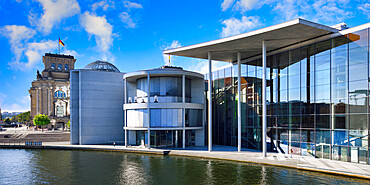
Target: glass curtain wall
317	100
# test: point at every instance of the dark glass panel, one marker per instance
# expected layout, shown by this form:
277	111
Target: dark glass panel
295	121
322	107
271	121
193	117
294	108
323	121
308	107
323	48
282	108
358	122
308	121
282	121
340	106
340	121
282	59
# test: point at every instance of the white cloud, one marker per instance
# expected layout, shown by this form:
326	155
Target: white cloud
21	104
130	5
243	5
100	29
166	58
323	11
226	4
105	5
235	26
126	18
365	8
55	11
33	52
246	5
17	36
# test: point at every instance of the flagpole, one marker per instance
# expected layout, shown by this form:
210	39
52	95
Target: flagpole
58	47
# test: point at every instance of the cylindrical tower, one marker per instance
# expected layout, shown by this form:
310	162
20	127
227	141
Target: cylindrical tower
168	103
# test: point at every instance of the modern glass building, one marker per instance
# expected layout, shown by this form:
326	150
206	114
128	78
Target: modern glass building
298	86
166	102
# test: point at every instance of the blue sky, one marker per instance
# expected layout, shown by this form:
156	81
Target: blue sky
132	34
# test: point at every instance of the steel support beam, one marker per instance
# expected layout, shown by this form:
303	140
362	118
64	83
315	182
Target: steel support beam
264	118
209	102
239	105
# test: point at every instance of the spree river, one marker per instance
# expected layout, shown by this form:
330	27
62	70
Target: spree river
90	167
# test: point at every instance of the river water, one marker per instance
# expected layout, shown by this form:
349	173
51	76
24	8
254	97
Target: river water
90	167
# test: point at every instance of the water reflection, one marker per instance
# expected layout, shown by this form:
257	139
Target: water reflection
84	167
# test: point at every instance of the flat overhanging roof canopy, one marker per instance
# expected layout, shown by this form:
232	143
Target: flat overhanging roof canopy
250	43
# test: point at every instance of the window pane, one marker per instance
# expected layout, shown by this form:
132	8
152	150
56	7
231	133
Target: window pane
323	77
308	121
358	72
358	138
358	38
340	137
358	122
323	121
323	136
340	121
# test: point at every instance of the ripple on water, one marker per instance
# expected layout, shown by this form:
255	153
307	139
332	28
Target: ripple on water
87	167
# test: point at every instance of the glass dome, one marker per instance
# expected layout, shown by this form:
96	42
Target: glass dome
102	66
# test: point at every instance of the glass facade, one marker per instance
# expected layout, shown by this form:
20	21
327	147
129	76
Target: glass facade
317	100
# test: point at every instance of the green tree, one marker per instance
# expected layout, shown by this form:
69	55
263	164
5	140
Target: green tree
41	119
23	118
69	124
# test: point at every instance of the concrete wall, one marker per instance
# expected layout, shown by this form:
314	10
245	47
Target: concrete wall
74	107
100	107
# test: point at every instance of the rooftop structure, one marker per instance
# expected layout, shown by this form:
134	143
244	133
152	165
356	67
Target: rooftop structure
102	66
311	96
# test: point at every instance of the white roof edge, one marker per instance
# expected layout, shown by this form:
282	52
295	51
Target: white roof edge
357	28
251	33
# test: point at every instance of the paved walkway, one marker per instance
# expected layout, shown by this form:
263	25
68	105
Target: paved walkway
230	153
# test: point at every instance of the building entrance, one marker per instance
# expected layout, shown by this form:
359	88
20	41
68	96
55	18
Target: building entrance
166	138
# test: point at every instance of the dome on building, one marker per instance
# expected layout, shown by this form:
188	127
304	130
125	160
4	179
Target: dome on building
102	66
